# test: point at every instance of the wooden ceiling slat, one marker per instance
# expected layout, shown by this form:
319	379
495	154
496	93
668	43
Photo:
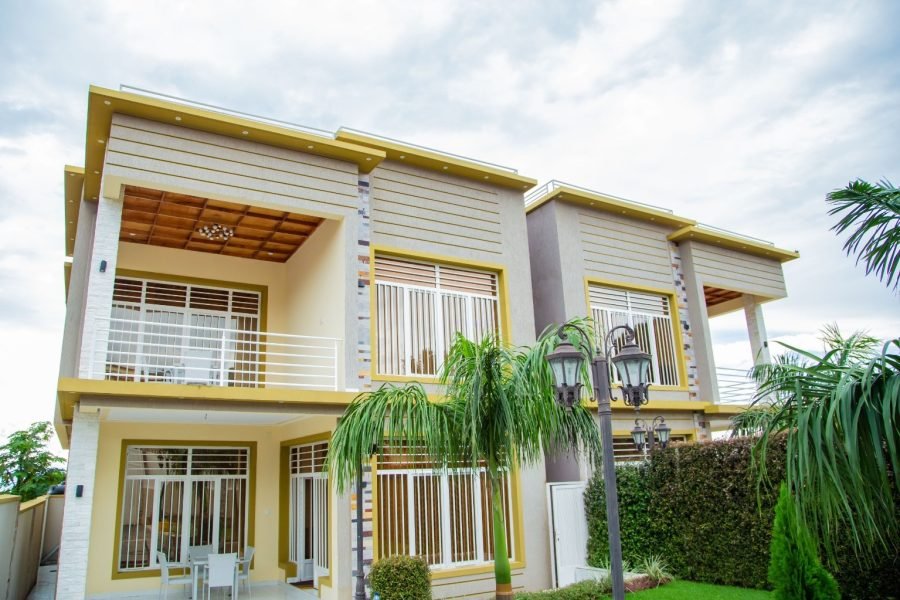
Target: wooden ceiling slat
172	220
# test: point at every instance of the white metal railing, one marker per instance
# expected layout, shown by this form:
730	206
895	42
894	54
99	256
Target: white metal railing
554	184
735	385
152	351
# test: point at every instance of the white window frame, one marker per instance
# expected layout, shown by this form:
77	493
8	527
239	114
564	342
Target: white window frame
187	480
602	315
441	344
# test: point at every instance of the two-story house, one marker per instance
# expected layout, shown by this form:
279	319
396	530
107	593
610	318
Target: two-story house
234	283
622	262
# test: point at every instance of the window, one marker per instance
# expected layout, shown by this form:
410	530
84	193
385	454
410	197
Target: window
442	516
161	331
625	452
177	497
420	307
650	315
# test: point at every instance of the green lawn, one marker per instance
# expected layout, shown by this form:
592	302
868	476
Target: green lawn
687	590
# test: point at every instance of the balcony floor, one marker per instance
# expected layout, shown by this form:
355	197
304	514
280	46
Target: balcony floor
45	589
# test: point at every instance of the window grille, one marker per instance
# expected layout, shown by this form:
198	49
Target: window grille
420	307
164	325
177	497
443	516
650	316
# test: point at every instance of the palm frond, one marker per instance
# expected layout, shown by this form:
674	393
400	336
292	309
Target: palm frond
871	213
387	419
841	414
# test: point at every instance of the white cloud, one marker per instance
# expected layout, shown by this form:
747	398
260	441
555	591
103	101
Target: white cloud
739	115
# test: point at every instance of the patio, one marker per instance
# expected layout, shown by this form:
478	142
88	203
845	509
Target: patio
45	589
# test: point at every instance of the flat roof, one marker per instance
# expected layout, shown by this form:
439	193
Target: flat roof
733	241
567	192
685	228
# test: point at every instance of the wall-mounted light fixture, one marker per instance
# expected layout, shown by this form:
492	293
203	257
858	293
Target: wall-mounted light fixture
103	266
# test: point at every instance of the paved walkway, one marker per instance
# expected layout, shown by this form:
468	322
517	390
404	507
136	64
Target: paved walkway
45	589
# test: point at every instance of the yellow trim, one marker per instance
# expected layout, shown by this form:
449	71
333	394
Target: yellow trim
674	318
123	454
733	242
284	495
5	498
725	409
657	405
73	184
440	259
70	390
603	202
518	525
439	162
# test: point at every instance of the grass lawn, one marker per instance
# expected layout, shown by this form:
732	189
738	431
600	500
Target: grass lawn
687	590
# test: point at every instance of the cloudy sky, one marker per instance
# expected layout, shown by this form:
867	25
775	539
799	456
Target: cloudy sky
742	116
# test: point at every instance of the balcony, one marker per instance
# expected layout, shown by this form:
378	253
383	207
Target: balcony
166	349
735	385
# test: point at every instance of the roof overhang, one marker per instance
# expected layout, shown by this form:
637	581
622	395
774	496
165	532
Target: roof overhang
73	184
699	233
611	204
433	160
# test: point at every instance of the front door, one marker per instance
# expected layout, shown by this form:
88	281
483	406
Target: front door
568	530
309	544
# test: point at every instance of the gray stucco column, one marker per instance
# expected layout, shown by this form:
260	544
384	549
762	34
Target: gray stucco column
703	351
756	329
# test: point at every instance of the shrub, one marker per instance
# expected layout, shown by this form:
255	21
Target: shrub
656	569
401	578
794	567
583	590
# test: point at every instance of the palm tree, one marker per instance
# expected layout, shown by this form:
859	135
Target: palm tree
498	411
874	212
840	412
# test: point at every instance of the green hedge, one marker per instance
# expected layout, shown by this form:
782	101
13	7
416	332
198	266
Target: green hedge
401	578
696	505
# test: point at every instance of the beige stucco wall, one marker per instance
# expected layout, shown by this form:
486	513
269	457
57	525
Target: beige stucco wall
431	213
441	216
9	513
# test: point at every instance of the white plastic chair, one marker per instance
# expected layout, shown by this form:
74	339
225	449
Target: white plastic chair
166	579
221	572
244	572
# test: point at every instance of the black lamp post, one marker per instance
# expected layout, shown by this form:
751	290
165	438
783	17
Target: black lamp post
633	367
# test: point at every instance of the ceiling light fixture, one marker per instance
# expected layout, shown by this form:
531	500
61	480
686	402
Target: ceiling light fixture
216	232
177	118
107	102
245	132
